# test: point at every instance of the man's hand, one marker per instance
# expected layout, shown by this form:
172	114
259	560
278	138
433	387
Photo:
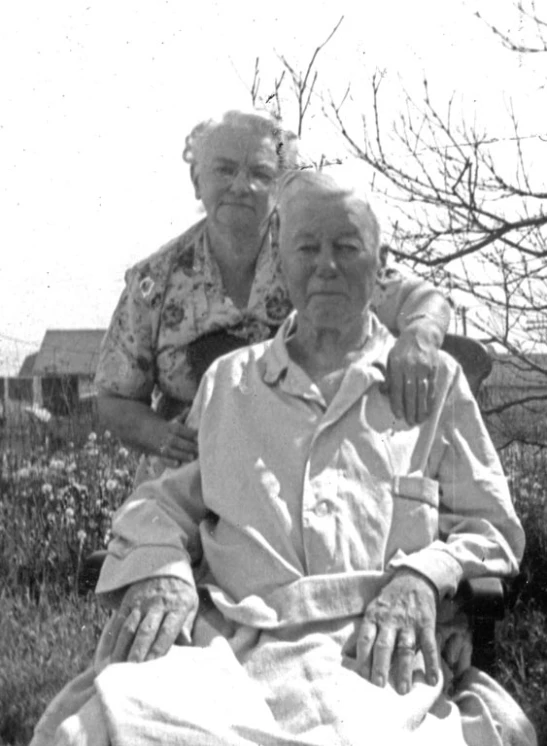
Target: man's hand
397	623
150	618
411	372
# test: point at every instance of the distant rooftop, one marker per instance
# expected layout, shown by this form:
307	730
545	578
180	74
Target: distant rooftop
27	368
68	352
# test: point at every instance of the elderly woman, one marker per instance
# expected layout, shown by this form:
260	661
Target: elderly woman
333	532
222	274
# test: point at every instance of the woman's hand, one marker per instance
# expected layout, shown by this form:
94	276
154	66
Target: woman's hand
411	372
177	443
397	623
150	618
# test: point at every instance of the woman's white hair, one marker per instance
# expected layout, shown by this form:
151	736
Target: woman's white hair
256	121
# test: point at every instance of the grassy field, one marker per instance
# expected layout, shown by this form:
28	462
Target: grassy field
56	508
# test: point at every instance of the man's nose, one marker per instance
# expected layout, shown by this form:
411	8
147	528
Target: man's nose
241	183
326	262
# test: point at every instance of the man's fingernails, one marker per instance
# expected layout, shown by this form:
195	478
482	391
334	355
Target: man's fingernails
379	680
403	688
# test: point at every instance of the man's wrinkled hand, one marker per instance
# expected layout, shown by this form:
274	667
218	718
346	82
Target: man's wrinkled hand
150	618
397	623
411	373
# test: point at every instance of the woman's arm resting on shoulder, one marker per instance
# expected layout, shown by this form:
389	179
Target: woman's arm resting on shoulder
140	427
422	323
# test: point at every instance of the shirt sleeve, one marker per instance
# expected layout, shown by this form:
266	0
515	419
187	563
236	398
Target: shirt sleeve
479	531
156	531
400	300
126	364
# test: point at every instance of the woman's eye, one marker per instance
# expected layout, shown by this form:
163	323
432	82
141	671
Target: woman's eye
307	248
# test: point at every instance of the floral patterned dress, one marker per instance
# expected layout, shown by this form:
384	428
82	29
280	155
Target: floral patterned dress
176	297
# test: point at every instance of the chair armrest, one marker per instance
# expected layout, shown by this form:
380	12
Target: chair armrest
483	598
90	571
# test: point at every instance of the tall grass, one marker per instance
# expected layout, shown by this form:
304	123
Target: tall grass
55	507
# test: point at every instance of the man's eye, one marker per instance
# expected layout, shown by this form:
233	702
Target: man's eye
225	170
308	248
349	248
264	176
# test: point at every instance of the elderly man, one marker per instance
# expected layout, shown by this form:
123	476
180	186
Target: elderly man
329	533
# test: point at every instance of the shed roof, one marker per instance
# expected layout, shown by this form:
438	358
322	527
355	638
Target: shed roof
69	352
27	368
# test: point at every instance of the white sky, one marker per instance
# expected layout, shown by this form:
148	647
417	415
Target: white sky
98	95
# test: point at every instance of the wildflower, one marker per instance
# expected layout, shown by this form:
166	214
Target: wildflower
56	463
107	434
47	489
92	437
23	473
123	452
81	536
69	515
111	485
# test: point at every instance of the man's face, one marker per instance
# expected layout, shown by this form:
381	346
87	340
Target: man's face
235	176
329	255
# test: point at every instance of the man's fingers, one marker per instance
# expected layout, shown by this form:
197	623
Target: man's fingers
365	643
382	654
428	645
126	633
145	635
406	651
166	636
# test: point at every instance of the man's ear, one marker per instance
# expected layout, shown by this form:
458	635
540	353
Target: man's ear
195	180
274	228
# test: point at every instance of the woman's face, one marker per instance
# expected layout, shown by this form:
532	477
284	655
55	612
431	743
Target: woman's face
234	178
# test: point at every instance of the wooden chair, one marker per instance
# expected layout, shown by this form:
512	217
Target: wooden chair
482	599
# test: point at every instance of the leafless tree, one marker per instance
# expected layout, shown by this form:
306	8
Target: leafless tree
468	205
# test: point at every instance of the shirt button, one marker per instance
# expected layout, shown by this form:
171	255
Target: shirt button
322	508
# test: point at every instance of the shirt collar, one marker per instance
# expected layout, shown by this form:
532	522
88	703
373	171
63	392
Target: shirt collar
373	355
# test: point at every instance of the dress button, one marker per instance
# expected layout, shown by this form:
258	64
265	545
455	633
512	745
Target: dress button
322	508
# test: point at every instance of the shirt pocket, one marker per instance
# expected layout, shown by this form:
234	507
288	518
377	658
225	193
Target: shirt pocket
415	514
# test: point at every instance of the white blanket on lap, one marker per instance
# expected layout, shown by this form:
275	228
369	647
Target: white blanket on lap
203	696
292	685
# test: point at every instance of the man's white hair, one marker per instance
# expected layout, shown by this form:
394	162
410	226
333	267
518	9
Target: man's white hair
339	180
